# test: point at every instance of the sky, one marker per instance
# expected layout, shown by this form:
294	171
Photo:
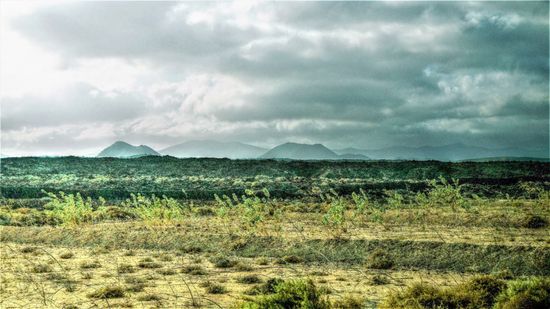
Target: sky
78	76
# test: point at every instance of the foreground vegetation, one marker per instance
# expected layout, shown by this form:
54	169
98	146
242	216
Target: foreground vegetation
439	245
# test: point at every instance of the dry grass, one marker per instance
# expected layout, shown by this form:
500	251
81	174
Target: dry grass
210	260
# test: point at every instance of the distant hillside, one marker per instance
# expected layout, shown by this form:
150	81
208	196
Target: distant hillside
452	152
213	149
522	159
124	150
296	151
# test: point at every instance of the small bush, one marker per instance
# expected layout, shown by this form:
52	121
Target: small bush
148	263
126	269
266	288
380	259
290	259
291	294
479	292
223	262
249	279
534	222
195	270
215	288
108	292
135	287
525	294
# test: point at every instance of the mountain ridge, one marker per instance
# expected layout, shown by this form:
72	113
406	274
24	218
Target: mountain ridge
213	149
120	149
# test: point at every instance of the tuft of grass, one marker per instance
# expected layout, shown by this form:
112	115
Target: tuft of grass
108	292
148	263
126	269
379	280
534	222
290	259
214	288
150	297
291	294
240	266
66	255
90	265
223	262
525	293
41	268
28	249
380	259
266	288
348	302
249	279
479	292
195	270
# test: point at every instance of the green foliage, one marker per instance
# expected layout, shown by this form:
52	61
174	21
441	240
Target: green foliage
443	194
361	201
479	292
336	214
293	294
69	209
525	293
154	208
252	208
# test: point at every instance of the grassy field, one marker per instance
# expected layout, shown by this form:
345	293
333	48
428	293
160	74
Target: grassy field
293	234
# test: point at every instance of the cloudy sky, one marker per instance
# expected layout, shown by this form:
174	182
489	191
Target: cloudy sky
75	77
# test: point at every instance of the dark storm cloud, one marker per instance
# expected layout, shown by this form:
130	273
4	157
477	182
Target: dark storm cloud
364	74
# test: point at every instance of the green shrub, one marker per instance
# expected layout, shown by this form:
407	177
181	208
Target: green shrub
348	302
223	262
291	294
249	279
108	292
266	288
154	208
70	209
195	270
479	292
214	288
525	294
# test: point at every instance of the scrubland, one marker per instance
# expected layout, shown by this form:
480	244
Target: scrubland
442	243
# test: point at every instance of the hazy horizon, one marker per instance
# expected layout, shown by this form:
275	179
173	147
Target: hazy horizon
77	76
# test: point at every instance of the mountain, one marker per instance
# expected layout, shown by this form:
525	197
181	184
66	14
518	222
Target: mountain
352	156
124	150
214	149
296	151
451	152
523	159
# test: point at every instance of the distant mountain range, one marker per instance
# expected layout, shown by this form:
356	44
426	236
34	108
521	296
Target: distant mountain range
214	149
451	152
124	150
295	151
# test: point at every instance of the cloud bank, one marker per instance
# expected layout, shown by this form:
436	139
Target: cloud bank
77	76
